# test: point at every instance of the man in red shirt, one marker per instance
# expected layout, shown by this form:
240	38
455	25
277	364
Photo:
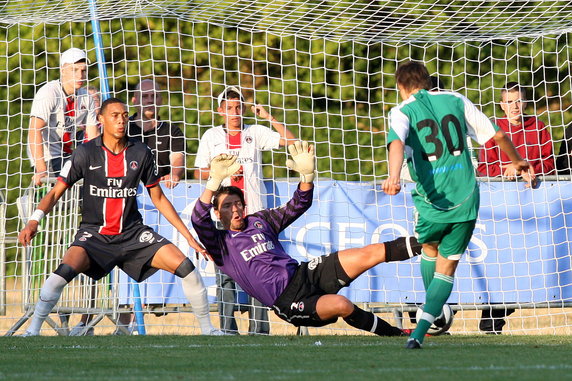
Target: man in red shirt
530	136
534	143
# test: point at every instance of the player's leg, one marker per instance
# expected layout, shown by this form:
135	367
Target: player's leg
356	261
330	307
454	243
171	259
75	261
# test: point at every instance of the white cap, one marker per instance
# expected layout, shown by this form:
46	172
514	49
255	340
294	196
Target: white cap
72	56
222	96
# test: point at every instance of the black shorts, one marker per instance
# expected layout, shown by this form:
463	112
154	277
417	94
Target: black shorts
132	251
321	276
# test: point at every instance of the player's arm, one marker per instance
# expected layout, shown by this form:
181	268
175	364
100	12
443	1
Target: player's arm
520	165
392	185
35	141
286	136
44	207
165	207
303	161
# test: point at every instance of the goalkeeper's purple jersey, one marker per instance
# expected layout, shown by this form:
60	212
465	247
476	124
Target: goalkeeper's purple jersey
254	257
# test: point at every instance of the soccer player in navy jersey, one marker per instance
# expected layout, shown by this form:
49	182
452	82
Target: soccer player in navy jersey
249	251
112	232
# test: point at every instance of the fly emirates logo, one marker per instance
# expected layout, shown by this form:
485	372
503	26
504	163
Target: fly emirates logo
261	245
113	190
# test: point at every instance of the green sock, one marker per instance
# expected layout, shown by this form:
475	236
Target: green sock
437	295
427	269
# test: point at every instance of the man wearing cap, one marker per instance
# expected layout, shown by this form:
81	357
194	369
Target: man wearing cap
246	142
62	113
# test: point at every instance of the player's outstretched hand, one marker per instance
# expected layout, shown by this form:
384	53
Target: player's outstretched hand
391	186
303	160
26	235
222	166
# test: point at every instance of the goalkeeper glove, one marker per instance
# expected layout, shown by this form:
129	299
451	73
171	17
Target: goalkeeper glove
303	160
222	166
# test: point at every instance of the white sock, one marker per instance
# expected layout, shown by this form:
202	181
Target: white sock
196	293
49	296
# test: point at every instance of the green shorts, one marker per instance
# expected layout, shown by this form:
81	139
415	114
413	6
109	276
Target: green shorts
453	238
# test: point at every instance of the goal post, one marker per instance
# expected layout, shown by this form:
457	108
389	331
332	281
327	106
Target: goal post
326	70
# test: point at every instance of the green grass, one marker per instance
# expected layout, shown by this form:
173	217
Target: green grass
284	358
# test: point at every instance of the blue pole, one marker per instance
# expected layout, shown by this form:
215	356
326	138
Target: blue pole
104	88
103	82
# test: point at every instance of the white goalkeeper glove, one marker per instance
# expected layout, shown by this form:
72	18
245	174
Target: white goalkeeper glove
222	166
303	160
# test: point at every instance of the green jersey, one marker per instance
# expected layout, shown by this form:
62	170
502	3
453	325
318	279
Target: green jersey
434	127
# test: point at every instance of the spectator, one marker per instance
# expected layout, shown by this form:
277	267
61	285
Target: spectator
530	136
534	143
166	140
62	114
246	142
564	160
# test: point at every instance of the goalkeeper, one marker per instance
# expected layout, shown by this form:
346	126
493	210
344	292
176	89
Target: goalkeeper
249	251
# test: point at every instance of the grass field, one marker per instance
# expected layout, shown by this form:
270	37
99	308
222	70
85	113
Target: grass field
284	358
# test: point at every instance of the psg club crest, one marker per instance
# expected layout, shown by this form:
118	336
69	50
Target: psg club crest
248	139
134	165
258	224
146	236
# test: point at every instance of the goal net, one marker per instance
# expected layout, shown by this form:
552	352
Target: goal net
326	70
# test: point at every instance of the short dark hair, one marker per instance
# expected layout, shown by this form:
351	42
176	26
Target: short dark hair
436	84
513	86
110	101
413	75
229	190
231	94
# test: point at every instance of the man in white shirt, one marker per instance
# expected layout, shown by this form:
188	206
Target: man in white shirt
63	113
247	143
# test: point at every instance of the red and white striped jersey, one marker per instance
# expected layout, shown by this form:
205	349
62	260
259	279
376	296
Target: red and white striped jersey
110	183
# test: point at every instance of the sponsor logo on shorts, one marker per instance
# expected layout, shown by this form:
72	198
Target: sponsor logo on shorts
134	165
147	236
314	263
258	225
297	306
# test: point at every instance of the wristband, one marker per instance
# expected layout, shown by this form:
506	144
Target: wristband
308	177
37	215
213	184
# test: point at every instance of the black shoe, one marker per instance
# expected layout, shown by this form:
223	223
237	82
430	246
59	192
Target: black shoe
412	344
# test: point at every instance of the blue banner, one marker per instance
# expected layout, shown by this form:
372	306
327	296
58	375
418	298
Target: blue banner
519	253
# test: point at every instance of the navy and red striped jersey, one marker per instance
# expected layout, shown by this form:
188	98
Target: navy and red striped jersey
110	183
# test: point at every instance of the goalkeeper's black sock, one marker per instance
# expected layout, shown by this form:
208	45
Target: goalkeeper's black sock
401	249
367	321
